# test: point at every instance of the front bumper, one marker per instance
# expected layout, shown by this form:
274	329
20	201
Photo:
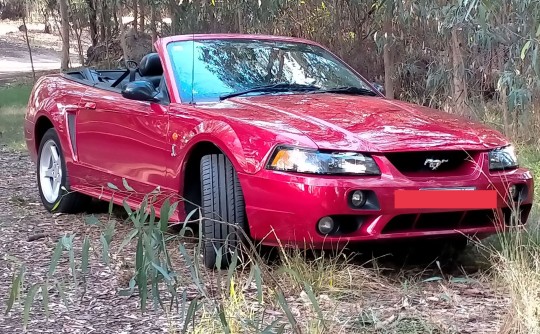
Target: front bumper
284	208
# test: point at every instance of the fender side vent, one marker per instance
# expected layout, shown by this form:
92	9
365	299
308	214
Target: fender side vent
71	129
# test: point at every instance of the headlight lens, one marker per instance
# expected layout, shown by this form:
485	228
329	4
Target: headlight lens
299	160
503	158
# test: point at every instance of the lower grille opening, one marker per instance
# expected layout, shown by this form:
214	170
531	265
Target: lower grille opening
440	221
401	223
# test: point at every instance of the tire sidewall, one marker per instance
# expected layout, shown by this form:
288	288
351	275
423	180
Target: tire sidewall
233	238
52	135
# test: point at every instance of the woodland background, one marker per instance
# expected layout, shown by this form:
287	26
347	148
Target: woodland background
477	58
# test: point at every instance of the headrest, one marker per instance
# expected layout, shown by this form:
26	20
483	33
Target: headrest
150	65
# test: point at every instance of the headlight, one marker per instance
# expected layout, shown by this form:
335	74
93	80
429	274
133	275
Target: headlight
299	160
503	158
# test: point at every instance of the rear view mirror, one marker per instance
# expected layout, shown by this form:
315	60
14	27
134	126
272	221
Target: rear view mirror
140	90
380	88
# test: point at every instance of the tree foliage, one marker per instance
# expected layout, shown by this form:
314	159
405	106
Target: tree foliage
456	55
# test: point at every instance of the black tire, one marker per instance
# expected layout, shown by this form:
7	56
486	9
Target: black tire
223	211
67	201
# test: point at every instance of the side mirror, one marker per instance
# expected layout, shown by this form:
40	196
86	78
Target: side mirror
380	88
140	91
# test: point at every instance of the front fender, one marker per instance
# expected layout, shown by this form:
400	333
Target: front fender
243	156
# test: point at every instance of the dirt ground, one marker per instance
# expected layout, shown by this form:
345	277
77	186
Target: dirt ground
21	217
469	304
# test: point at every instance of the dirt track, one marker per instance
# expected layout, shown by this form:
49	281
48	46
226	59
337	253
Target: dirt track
14	56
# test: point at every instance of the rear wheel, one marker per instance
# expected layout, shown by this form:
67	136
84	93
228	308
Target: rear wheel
53	178
223	211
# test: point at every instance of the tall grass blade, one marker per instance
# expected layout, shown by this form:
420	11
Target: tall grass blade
16	283
285	307
105	249
126	185
111	205
162	271
56	257
91	220
128	239
109	232
60	288
164	215
141	273
314	302
190	316
223	320
258	282
232	267
28	304
45	298
71	254
85	256
192	268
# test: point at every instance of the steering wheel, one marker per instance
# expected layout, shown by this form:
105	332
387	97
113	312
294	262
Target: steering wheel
131	64
131	68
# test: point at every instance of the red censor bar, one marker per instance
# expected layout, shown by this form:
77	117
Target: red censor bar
445	199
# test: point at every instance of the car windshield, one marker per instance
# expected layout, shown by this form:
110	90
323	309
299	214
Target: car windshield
241	67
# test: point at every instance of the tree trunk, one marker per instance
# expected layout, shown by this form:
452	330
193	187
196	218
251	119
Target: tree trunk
48	27
135	14
29	48
122	33
239	18
153	25
92	17
115	16
103	20
174	15
460	93
141	15
65	34
388	52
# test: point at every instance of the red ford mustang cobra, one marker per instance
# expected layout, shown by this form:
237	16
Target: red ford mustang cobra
273	135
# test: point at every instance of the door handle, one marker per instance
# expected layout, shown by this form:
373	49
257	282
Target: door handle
88	105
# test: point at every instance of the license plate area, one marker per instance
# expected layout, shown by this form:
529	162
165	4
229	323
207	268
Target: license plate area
458	198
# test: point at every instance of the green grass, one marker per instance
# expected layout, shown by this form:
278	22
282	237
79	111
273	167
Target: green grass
13	101
16	95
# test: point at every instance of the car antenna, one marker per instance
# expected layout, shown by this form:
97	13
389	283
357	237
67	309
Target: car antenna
192	57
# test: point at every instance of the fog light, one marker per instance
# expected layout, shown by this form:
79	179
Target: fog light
513	192
326	225
358	199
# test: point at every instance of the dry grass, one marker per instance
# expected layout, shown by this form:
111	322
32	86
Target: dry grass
517	266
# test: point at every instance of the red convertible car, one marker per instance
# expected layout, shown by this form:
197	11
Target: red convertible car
275	136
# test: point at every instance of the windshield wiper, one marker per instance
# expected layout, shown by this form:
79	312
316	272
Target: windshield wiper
280	87
347	90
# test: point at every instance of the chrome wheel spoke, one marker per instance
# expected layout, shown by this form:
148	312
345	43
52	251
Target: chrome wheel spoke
48	172
54	154
50	167
56	184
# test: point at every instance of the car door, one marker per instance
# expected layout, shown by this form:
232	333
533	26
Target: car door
119	138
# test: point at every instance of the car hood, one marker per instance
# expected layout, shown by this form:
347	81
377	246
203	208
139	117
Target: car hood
364	123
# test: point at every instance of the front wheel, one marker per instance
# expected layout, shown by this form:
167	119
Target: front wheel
53	178
223	211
